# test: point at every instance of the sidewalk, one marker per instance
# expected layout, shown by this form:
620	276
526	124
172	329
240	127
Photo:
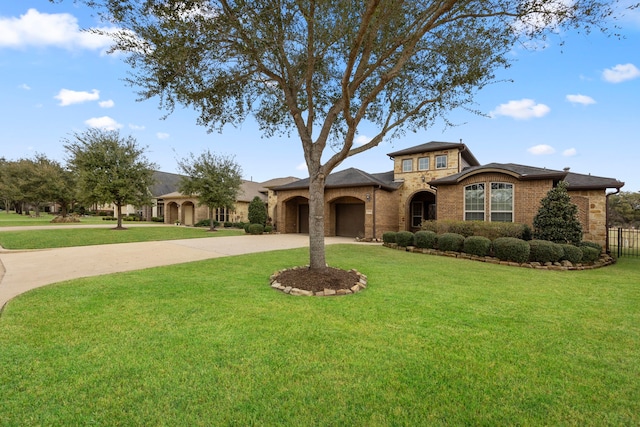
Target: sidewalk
26	270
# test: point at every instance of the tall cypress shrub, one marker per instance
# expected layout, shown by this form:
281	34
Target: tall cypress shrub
557	218
257	211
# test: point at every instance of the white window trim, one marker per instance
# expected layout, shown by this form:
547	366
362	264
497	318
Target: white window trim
428	163
407	161
446	161
484	207
491	211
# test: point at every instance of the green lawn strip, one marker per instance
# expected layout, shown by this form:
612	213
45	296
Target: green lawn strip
14	220
432	340
59	237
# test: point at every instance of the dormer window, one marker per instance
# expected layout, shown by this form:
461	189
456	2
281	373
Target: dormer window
441	161
407	165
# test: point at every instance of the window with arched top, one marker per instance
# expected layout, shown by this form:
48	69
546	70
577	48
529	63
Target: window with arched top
501	202
474	202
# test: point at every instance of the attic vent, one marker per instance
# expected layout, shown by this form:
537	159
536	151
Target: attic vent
566	169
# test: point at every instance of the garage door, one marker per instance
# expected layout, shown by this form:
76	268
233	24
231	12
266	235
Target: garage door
350	220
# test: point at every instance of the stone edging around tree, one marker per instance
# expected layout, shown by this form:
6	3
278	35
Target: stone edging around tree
604	260
357	287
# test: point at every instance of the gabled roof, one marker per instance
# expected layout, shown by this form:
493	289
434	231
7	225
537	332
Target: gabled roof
438	146
351	177
575	181
165	183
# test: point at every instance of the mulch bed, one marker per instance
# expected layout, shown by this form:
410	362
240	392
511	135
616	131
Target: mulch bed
318	280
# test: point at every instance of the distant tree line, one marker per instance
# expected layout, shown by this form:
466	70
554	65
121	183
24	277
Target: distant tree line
624	210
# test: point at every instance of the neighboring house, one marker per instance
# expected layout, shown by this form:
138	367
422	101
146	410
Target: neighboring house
184	209
438	180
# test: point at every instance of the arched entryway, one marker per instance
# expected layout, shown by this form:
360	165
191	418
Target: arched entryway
421	207
188	213
296	215
348	214
171	213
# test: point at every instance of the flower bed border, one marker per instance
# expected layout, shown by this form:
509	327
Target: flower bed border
605	259
357	286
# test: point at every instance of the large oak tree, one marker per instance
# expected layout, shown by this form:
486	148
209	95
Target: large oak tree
321	69
110	168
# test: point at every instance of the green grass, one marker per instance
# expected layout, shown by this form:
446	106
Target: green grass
68	236
12	219
432	341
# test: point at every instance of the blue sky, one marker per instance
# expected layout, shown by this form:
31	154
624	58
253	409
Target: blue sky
574	105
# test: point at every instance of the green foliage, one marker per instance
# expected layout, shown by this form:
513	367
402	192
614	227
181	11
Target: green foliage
557	218
477	245
255	228
450	242
257	211
511	249
490	230
593	245
545	251
110	169
571	253
624	209
206	223
426	239
465	228
389	237
215	180
589	254
268	229
404	238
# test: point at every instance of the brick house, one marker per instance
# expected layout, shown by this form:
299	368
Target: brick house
438	180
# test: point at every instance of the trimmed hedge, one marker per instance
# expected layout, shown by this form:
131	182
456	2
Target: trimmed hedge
572	253
545	251
593	245
511	249
404	238
425	239
451	242
490	230
389	237
255	229
589	254
477	245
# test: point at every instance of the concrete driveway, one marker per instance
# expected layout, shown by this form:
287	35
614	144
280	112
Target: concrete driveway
21	271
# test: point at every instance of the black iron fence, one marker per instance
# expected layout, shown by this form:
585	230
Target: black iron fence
624	242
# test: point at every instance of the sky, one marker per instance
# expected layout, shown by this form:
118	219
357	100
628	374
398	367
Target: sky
573	101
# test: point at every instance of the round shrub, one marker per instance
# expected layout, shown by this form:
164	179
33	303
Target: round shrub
389	237
256	229
593	245
545	251
572	253
477	245
426	239
404	238
589	254
450	242
511	249
268	228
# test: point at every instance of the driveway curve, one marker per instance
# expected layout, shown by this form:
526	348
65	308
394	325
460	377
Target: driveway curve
21	271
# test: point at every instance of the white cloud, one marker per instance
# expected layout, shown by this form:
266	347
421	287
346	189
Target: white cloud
302	167
104	122
44	29
580	99
570	152
25	86
162	135
362	140
69	97
621	73
106	104
522	109
136	127
538	150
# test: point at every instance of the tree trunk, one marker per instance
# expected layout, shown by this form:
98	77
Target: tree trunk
212	226
119	216
317	258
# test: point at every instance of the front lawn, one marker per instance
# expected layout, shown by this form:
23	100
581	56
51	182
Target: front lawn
431	341
61	237
11	219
